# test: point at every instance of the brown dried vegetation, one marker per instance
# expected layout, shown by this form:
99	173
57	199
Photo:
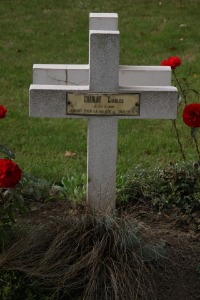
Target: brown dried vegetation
97	257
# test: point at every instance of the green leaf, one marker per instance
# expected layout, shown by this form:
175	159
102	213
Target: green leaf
57	188
9	153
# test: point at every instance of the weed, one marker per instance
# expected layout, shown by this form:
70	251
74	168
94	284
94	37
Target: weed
74	187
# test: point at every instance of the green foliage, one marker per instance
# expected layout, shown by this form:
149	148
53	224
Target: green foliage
176	186
72	187
35	189
14	285
16	202
12	201
129	187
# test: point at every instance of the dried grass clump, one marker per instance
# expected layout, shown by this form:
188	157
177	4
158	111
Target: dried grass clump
87	257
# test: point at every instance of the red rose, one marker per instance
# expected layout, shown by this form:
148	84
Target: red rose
172	62
191	115
10	173
3	112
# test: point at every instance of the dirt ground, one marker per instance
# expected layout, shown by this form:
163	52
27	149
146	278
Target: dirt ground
179	279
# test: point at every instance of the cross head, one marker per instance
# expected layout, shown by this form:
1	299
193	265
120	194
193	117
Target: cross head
102	92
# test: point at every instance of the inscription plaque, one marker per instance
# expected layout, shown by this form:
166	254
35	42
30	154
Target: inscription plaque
103	104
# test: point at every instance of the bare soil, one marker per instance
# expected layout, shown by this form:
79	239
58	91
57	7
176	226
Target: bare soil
180	278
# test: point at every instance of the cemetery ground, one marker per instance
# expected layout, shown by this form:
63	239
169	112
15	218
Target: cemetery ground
44	147
165	212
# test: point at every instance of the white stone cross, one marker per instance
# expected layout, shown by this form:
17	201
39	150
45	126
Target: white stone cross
55	88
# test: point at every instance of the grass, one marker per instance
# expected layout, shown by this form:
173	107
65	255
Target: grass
88	257
57	32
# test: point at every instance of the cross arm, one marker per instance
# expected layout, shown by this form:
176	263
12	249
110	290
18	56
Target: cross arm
58	74
155	102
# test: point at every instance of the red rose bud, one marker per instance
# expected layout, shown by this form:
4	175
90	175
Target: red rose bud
10	173
191	115
3	112
172	62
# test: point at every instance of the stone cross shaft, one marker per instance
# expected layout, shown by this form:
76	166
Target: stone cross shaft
52	85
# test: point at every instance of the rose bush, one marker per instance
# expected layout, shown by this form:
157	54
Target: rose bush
3	111
11	200
10	173
191	115
4	149
172	62
191	112
16	189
